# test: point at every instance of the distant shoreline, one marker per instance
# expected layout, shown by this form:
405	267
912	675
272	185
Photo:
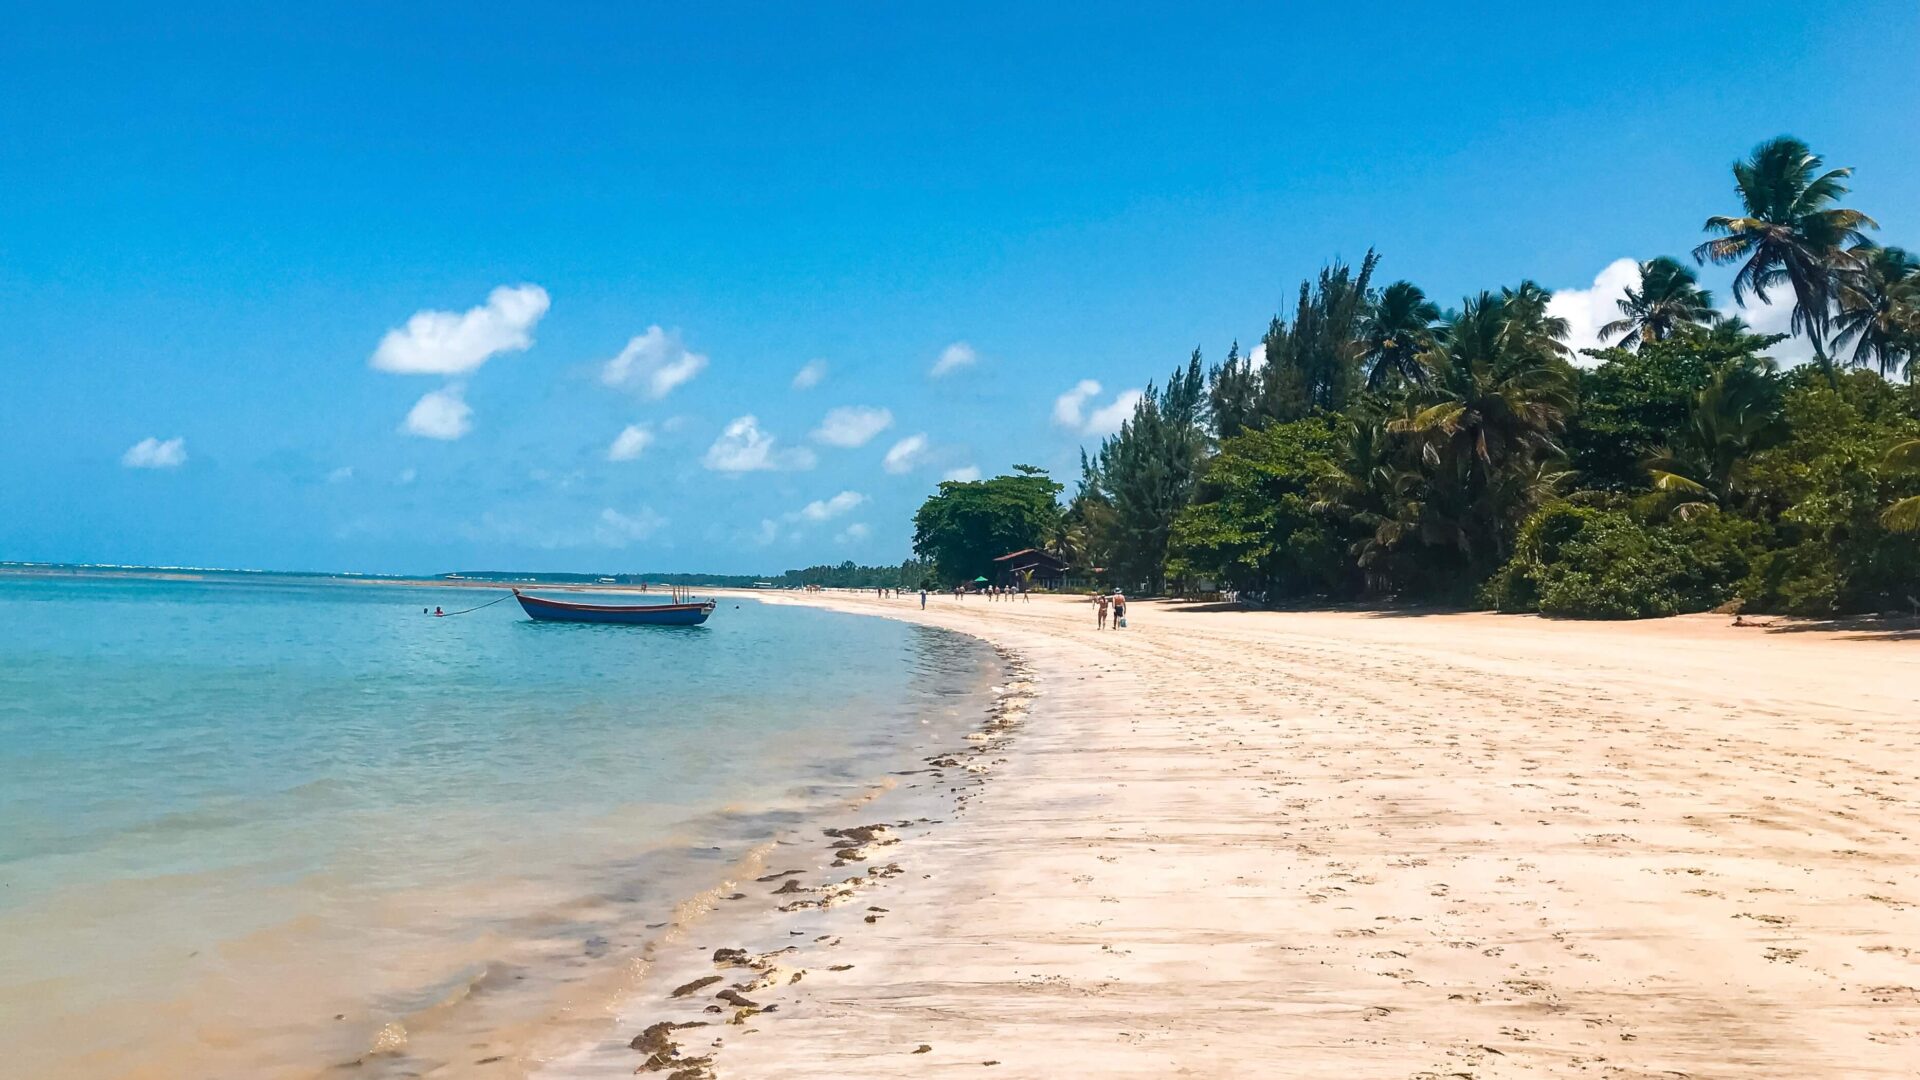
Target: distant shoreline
138	573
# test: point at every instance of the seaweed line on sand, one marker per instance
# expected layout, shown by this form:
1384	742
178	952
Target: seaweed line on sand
756	982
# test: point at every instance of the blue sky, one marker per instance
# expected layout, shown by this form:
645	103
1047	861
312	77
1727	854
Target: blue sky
211	226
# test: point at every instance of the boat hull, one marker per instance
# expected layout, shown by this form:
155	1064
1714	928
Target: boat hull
615	614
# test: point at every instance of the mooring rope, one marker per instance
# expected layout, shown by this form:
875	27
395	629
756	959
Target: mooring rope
488	604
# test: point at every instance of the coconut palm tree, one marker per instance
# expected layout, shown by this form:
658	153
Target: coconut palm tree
1067	539
1397	327
1729	419
1904	514
1359	488
1497	397
1526	325
1880	309
1669	297
1790	233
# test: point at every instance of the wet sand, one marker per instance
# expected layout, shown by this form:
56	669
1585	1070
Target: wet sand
1359	845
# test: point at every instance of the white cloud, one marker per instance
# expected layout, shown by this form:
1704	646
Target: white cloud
828	509
1587	310
1776	317
953	358
743	447
454	343
628	445
809	375
905	454
854	533
1107	420
852	425
1070	409
340	475
617	530
612	529
440	414
653	364
558	481
151	453
794	521
965	474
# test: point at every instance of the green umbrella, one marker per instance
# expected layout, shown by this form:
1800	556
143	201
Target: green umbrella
978	580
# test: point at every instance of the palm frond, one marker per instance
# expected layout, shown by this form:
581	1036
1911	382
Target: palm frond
1673	481
1903	516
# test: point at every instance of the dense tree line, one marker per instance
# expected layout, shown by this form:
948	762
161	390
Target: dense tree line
847	575
1374	445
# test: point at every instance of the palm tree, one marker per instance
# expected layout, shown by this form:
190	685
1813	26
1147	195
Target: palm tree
1526	326
1791	233
1360	487
1397	327
1067	539
1497	396
1728	420
1669	297
1880	309
1904	514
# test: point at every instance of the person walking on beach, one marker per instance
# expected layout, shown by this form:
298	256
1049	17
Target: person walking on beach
1119	610
923	598
1101	602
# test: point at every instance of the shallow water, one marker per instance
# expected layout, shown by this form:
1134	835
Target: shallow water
259	828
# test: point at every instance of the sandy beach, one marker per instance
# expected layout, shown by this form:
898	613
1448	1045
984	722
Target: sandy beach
1355	844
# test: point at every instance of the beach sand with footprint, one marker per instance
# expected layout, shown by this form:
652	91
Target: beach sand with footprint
1342	844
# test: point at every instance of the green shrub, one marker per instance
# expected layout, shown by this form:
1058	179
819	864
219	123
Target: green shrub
1599	562
1826	488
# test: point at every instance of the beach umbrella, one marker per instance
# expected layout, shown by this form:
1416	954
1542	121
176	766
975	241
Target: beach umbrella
979	581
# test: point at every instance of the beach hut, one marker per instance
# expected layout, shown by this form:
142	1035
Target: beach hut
1041	569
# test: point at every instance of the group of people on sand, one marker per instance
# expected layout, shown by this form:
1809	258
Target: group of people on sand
991	592
1106	604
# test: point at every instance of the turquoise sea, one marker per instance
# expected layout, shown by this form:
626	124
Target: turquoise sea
259	827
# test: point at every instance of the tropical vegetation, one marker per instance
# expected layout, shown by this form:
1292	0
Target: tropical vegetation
969	523
1377	447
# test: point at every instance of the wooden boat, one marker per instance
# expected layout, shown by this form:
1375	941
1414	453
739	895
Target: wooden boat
676	614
